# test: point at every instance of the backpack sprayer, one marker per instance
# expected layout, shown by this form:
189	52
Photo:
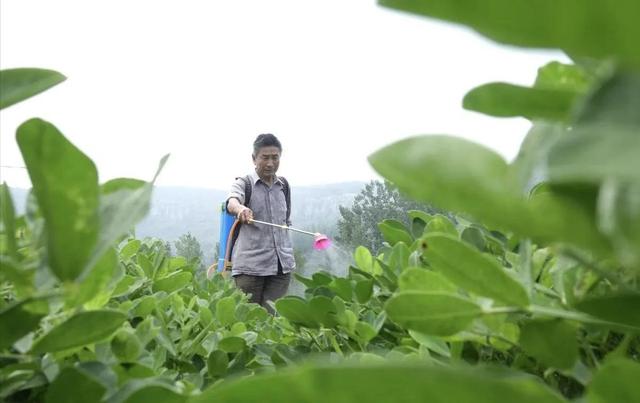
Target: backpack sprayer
228	234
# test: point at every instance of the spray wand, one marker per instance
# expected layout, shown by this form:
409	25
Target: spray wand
321	241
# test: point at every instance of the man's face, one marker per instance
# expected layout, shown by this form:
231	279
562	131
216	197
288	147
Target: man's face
267	161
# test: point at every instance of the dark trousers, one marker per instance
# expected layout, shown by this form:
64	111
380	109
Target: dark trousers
264	288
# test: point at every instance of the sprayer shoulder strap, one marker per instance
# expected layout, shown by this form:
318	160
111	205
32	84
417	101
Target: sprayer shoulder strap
285	189
287	195
247	190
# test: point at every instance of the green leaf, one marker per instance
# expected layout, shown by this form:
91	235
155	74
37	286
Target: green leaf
296	310
619	218
606	130
348	319
342	287
173	282
130	249
394	231
472	270
19	84
398	382
419	279
399	258
474	236
177	262
147	390
15	322
237	329
96	281
388	276
566	214
117	184
363	290
462	176
435	344
508	100
217	363
65	182
127	285
125	202
73	385
20	277
440	223
323	310
559	76
621	308
363	259
232	344
8	221
126	346
450	172
553	342
419	220
529	166
80	329
226	311
146	265
577	157
418	223
420	215
309	283
145	306
365	332
614	101
321	278
566	25
433	313
616	381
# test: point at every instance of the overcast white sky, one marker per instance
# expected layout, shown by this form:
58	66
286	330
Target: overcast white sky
335	80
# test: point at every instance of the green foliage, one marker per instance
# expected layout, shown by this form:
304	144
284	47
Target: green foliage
507	100
538	274
617	381
488	278
374	382
553	342
566	25
84	387
80	329
19	84
65	182
15	322
433	313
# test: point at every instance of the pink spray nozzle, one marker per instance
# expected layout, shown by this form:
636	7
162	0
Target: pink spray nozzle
321	242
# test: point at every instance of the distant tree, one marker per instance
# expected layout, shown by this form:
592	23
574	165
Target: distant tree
378	201
167	248
188	247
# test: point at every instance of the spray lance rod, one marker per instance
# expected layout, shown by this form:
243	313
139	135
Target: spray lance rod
285	227
321	241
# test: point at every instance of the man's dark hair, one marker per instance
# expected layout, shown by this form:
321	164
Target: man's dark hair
265	140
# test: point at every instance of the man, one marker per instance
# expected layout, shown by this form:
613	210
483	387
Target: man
262	255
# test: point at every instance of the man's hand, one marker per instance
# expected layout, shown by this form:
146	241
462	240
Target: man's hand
242	213
245	215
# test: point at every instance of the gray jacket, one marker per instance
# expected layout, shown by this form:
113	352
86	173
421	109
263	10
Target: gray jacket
259	247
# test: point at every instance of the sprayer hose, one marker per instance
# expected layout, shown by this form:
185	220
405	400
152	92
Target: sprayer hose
227	252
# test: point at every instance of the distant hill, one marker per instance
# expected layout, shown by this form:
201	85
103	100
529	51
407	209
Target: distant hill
176	211
179	210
